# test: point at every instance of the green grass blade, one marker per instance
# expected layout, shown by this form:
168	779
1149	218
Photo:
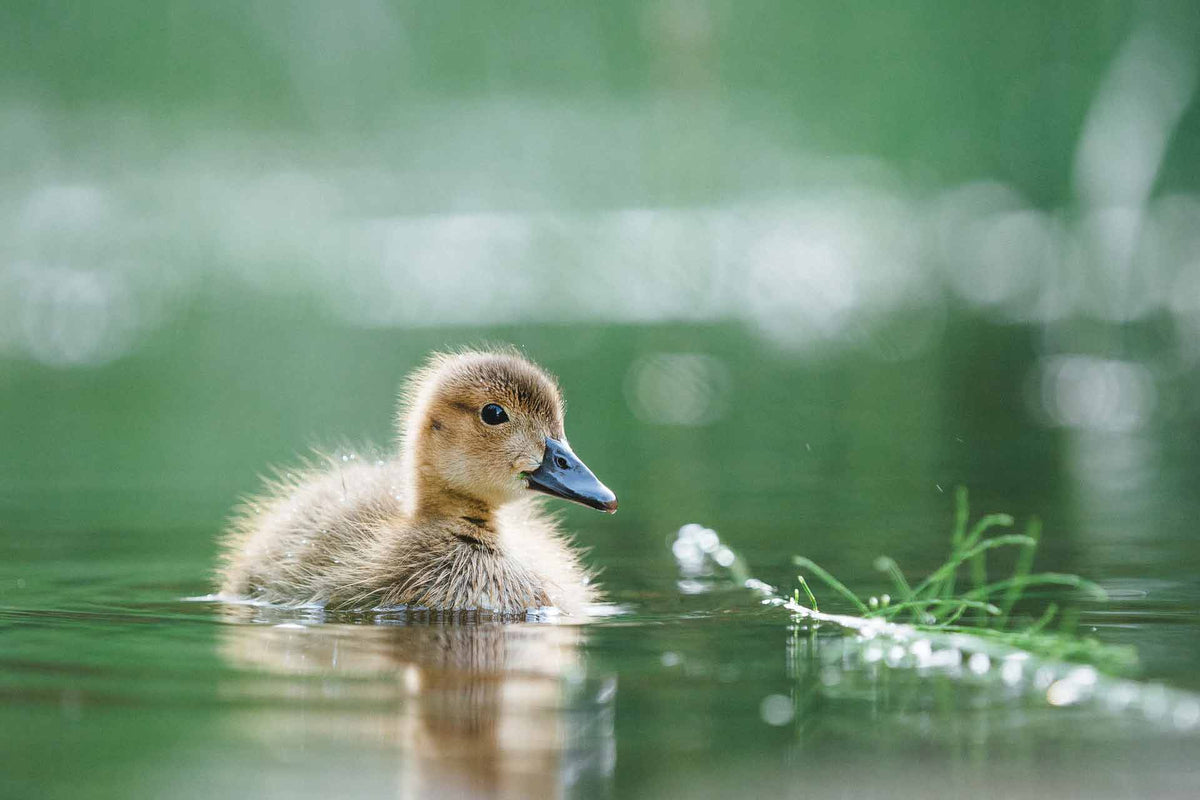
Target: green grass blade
950	620
1041	621
808	593
934	597
918	605
831	582
953	564
983	526
889	565
979	577
1039	579
962	511
1024	564
979	562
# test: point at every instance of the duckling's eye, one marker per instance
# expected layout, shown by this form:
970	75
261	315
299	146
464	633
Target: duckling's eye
493	414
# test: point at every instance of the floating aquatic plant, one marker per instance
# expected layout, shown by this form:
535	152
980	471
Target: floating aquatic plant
981	607
969	634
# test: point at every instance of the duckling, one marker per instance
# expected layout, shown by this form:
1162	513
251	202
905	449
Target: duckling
451	522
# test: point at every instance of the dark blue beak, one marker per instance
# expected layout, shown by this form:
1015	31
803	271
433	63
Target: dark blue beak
562	474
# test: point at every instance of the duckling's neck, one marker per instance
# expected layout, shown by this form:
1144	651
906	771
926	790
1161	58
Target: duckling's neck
438	503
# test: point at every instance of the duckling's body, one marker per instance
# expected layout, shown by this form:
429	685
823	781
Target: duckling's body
448	524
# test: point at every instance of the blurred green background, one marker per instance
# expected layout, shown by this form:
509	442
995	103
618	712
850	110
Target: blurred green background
802	268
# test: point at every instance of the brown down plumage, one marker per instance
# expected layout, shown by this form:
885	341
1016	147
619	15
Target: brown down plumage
449	523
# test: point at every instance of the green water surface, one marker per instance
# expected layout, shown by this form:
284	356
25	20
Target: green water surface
116	685
802	269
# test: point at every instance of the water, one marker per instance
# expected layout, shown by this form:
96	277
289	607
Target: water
801	271
116	482
116	684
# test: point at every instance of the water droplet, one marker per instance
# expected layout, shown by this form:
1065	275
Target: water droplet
776	709
1187	715
1063	693
607	691
1119	698
1085	676
1154	702
684	550
979	663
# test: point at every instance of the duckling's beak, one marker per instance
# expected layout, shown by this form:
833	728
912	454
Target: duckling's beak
562	474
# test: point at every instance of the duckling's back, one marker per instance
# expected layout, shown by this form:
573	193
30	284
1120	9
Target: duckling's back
311	531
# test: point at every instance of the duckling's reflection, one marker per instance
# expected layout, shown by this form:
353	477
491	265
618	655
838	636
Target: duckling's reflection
471	708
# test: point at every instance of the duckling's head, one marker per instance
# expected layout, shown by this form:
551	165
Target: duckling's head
488	426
